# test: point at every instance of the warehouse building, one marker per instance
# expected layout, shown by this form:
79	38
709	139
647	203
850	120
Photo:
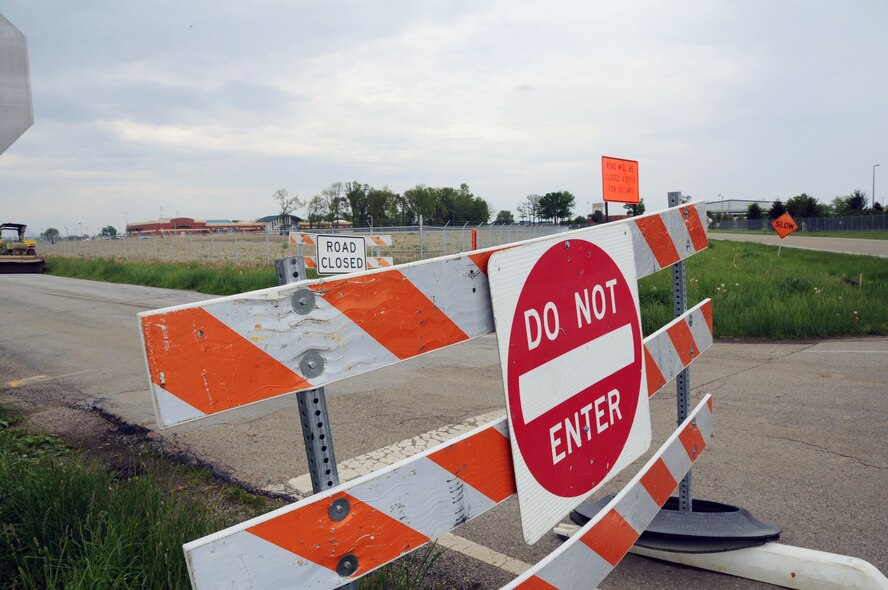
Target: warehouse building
189	226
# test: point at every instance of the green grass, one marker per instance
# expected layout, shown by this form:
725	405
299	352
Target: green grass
863	235
411	572
212	280
758	294
68	522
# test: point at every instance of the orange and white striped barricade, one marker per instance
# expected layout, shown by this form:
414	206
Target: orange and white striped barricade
377	518
587	557
374	243
286	338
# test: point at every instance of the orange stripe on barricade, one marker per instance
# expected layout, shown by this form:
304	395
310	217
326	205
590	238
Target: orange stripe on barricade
655	378
310	262
482	258
371	536
706	310
657	237
611	538
683	341
658	482
483	461
692	440
535	583
231	363
407	325
695	227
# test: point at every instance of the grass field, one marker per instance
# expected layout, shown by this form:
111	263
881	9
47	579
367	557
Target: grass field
755	292
860	235
76	523
70	522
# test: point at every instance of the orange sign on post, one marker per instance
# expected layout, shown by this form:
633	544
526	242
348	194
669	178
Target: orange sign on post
784	225
619	180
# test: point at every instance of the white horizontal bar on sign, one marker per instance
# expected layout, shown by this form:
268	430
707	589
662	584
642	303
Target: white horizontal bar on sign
553	383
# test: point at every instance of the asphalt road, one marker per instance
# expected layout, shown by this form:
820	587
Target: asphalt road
846	245
800	431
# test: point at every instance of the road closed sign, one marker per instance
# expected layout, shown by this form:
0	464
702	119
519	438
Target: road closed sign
570	344
340	254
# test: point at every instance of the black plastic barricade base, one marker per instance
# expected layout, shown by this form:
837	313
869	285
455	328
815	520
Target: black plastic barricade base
711	527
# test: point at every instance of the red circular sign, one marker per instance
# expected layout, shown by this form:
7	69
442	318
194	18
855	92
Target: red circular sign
575	349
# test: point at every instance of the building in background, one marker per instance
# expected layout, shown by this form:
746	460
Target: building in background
734	207
189	226
276	224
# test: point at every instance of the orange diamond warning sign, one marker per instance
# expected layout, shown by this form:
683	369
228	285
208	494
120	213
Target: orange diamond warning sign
784	225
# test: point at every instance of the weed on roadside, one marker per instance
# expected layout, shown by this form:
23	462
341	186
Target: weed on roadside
73	523
408	573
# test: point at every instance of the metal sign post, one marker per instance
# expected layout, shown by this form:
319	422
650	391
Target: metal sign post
682	382
313	415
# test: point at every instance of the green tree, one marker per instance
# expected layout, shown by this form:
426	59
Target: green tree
597	216
287	205
754	211
317	210
108	231
504	217
853	204
777	209
530	208
580	220
419	200
335	203
803	205
379	204
51	233
357	196
556	206
635	209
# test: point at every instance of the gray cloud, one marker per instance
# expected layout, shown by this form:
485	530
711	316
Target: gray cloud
209	108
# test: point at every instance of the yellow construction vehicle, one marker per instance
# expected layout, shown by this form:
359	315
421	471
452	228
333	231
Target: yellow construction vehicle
16	253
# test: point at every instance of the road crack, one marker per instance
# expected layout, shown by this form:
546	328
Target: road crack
829	451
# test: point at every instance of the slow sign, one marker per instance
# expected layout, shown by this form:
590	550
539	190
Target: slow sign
569	335
784	225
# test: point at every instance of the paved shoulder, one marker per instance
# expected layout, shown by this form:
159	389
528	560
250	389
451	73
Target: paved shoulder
846	245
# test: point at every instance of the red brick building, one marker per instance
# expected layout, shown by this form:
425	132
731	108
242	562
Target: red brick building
189	226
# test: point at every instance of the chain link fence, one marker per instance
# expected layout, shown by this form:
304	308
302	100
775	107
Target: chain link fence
831	224
409	243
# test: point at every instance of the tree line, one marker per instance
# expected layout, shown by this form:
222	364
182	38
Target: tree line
804	205
364	205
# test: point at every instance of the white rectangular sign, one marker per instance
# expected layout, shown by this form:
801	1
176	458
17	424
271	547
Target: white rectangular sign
341	254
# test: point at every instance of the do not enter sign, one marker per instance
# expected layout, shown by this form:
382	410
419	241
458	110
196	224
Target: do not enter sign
570	342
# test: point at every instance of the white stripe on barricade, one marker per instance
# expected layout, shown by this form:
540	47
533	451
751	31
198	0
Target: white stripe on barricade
586	558
405	505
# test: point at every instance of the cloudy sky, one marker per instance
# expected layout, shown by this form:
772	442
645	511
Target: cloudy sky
206	108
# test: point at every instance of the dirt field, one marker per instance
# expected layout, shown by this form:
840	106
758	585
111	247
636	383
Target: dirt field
262	249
